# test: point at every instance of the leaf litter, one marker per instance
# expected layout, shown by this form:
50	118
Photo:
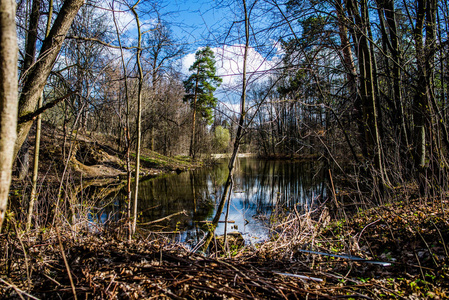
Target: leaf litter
310	256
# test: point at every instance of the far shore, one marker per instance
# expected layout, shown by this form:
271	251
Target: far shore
228	155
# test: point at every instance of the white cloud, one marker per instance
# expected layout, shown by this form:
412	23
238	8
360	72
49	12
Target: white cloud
186	62
229	63
124	17
230	60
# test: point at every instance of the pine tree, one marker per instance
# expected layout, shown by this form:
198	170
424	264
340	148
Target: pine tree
200	87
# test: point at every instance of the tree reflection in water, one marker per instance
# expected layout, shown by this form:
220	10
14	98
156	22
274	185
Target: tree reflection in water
259	187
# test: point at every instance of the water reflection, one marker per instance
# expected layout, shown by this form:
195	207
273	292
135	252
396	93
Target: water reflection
259	188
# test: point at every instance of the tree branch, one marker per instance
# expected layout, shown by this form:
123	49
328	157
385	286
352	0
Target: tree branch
33	115
75	37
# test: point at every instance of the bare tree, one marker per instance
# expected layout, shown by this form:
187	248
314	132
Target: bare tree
239	135
37	142
36	77
8	98
139	114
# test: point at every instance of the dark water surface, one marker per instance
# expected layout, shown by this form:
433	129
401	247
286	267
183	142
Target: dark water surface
260	187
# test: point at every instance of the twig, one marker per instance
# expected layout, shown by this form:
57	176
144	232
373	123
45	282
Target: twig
305	277
51	279
442	239
66	263
360	234
19	291
349	257
333	188
164	218
24	255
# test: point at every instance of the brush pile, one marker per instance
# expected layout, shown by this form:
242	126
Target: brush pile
392	252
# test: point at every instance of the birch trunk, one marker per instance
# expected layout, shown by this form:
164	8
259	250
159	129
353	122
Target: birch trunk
8	98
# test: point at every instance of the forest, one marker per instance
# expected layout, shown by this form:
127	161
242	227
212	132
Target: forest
97	96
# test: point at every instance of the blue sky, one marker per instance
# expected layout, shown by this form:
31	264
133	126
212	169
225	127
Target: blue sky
201	23
195	21
198	23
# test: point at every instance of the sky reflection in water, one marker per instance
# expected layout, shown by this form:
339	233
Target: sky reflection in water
259	188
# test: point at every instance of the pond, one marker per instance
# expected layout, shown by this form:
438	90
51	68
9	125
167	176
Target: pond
260	187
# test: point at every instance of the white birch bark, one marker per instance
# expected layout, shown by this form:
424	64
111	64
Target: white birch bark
8	98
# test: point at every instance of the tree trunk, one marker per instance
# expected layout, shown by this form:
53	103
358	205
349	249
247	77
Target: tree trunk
370	135
351	73
31	37
35	80
238	137
126	129
8	98
386	10
23	159
424	100
139	117
420	105
37	142
192	140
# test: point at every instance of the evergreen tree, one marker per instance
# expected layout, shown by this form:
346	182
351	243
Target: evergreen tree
200	87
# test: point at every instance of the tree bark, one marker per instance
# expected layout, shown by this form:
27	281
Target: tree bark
37	142
348	60
238	137
23	159
34	81
31	37
139	116
8	98
420	103
192	140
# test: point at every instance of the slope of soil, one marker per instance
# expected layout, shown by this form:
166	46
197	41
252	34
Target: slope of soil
92	156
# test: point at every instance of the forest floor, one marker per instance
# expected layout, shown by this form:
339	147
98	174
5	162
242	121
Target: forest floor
395	251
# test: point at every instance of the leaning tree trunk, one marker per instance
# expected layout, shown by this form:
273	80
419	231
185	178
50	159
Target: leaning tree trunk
139	117
8	98
238	137
35	80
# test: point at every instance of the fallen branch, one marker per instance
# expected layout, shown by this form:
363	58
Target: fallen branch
164	218
305	277
349	257
18	291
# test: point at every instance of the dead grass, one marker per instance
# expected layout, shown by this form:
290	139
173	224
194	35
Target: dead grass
310	255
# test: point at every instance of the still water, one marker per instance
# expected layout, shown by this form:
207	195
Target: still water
260	187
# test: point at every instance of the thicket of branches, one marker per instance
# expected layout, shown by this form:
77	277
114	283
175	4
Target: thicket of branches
362	84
